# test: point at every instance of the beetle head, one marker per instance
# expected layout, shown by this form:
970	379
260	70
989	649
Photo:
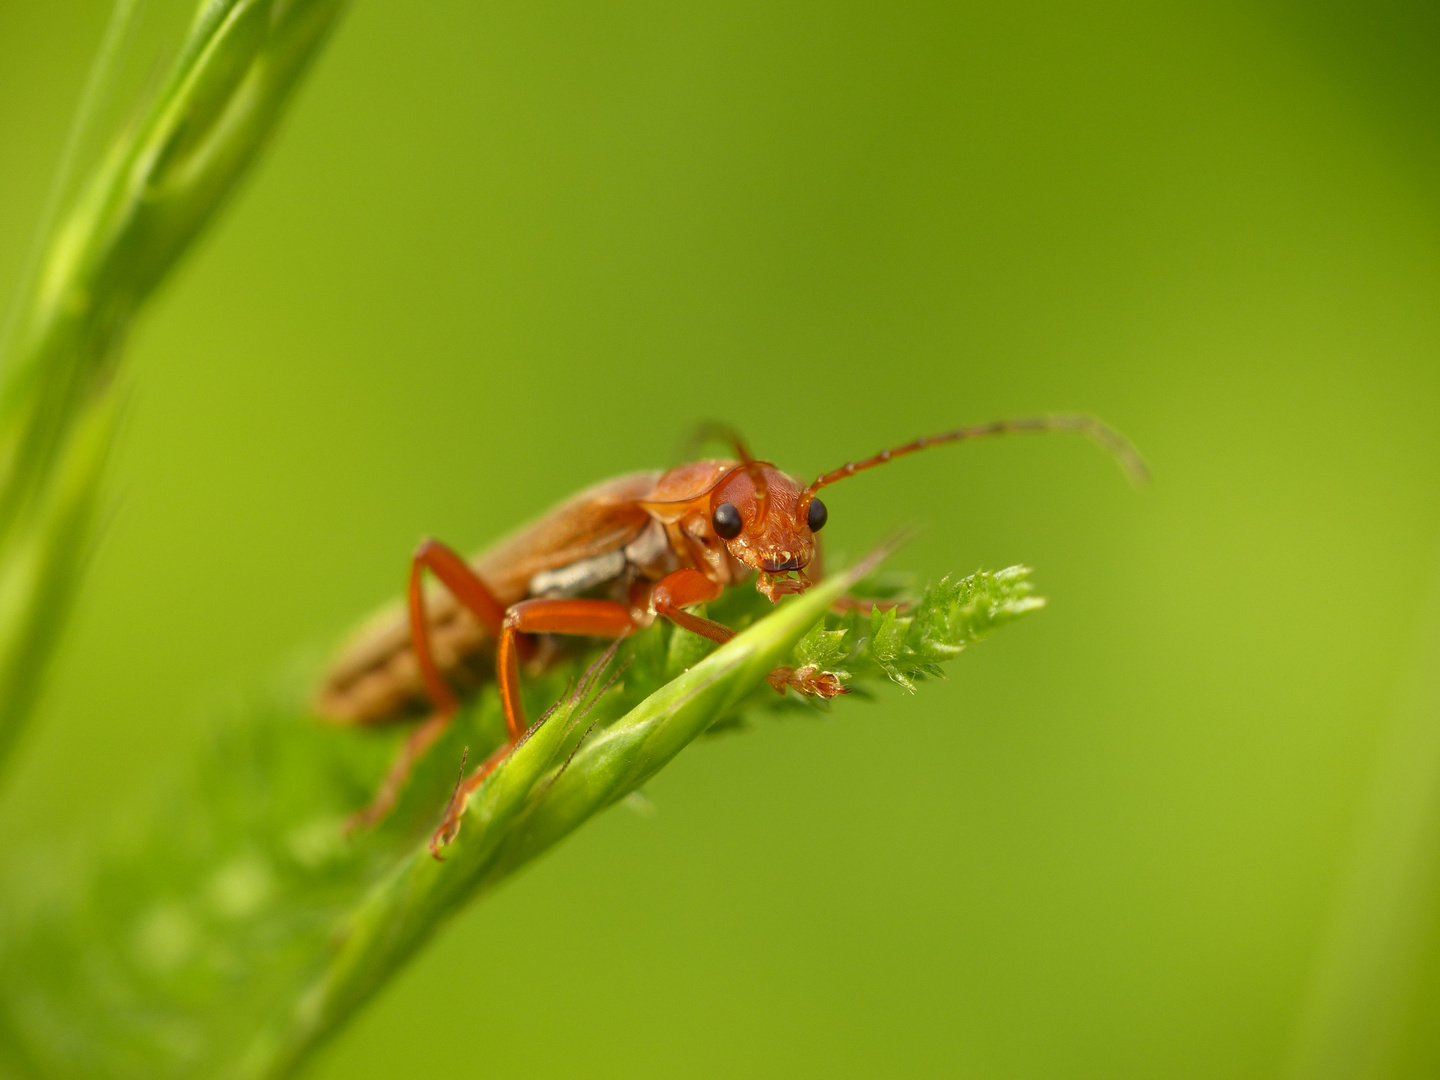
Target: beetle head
755	510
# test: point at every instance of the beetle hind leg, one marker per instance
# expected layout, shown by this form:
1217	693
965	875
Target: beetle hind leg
411	751
455	574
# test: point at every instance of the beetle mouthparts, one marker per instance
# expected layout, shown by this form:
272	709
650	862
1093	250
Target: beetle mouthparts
780	567
773	587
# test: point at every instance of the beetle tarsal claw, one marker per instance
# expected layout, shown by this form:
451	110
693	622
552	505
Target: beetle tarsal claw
808	680
442	836
450	824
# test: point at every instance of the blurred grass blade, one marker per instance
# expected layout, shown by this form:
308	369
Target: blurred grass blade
40	569
97	84
158	186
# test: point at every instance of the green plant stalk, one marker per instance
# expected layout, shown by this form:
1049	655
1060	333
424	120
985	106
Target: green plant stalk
550	799
150	196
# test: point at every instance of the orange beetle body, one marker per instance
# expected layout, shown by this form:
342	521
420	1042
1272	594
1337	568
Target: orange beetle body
612	540
609	560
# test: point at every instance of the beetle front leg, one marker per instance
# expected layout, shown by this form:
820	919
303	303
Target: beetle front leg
807	681
686	587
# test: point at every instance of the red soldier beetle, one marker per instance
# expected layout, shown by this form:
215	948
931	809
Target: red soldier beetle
606	562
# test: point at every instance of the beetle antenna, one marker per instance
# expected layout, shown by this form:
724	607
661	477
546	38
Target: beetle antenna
1120	447
708	431
723	432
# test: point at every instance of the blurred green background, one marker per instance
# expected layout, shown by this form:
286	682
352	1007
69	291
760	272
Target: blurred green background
500	252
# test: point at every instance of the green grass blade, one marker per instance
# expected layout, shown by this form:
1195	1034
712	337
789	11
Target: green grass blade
153	193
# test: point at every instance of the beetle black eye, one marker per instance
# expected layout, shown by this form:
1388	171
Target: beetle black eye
727	521
816	516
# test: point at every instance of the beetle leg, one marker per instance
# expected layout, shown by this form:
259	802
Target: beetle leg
455	573
411	751
602	618
808	681
682	589
588	618
686	587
